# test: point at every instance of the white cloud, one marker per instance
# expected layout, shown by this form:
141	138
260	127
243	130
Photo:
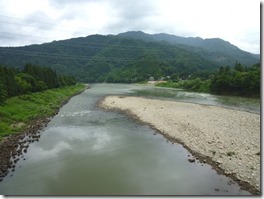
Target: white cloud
233	20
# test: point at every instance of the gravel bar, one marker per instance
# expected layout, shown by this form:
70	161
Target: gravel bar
227	139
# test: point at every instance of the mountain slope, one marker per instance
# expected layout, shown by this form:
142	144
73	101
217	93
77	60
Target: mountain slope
214	49
126	57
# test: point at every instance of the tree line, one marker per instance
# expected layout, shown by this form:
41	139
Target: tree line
30	78
238	80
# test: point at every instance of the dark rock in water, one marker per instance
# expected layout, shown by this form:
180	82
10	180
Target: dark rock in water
12	146
216	189
14	152
19	151
191	160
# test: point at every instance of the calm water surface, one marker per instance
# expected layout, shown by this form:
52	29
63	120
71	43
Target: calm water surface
86	151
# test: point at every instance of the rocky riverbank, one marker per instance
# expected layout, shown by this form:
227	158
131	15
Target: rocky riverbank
227	139
14	146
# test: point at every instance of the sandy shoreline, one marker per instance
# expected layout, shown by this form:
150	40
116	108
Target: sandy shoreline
227	139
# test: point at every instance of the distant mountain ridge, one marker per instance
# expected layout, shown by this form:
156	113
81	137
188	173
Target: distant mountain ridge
215	45
128	57
208	44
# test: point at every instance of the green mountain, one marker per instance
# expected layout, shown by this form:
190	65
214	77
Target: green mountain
127	57
214	49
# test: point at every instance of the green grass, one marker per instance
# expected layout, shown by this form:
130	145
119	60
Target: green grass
18	112
196	85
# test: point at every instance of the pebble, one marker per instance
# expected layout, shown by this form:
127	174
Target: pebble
225	126
191	160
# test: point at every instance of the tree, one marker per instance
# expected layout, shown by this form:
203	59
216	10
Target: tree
239	67
25	83
3	94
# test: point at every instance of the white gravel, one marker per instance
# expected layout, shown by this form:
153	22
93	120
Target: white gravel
229	137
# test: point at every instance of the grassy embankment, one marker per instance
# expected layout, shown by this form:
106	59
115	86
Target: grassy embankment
20	111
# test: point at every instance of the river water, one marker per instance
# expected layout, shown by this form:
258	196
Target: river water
87	151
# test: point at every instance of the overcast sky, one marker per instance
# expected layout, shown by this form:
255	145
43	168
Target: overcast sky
37	21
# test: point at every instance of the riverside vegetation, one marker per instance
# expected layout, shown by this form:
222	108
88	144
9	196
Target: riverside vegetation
28	98
21	119
30	79
30	94
18	112
239	80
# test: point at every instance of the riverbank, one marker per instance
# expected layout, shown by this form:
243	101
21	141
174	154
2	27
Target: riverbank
22	118
227	139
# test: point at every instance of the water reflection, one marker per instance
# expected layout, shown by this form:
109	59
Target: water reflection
61	146
86	151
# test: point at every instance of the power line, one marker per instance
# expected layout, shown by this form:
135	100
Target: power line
54	24
29	20
146	44
65	57
9	33
168	46
145	48
41	22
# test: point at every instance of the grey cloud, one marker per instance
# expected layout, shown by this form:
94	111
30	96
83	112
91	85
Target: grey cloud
131	15
65	3
33	28
120	15
41	20
134	10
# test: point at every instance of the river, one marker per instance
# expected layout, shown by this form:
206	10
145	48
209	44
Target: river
87	151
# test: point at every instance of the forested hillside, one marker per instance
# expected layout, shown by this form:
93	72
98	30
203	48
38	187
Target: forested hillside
214	49
30	79
111	58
